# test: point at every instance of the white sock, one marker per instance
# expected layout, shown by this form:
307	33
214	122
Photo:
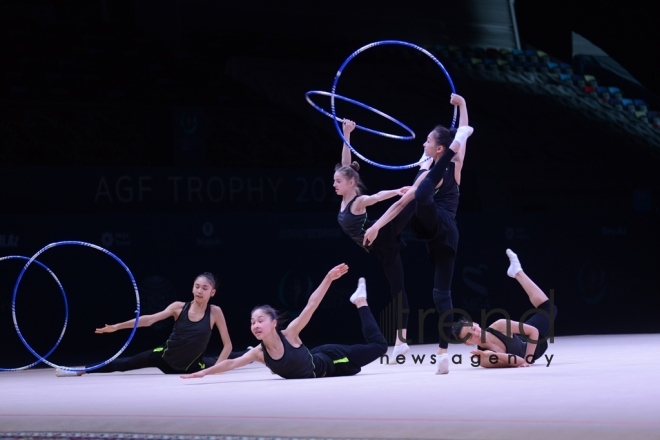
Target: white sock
514	266
462	133
442	367
66	372
361	291
397	351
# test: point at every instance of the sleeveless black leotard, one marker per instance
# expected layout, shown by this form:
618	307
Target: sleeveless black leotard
295	363
446	199
354	225
188	339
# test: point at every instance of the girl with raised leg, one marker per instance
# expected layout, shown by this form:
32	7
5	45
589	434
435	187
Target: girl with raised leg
285	353
436	194
512	343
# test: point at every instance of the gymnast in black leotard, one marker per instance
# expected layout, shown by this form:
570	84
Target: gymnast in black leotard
507	343
354	220
184	350
284	352
436	193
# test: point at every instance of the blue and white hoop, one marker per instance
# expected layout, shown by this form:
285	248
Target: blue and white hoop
334	95
93	246
66	313
365	106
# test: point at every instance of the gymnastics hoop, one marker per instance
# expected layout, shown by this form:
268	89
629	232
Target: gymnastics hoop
93	246
365	106
334	88
66	312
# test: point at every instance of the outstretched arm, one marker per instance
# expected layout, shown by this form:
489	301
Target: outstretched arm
255	354
362	202
394	210
144	321
295	327
348	126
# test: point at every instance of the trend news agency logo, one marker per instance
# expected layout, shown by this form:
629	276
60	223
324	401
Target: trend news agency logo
475	360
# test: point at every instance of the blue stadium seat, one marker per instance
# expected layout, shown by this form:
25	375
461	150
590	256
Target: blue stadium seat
566	68
615	102
640	104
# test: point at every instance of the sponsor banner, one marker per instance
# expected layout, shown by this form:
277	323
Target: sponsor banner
117	190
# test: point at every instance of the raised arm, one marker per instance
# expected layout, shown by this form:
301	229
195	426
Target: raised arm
221	324
255	354
172	310
347	126
459	101
295	327
463	120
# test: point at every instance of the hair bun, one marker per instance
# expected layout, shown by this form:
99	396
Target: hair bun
355	165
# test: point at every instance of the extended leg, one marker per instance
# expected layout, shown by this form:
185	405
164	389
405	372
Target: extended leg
140	360
536	295
376	346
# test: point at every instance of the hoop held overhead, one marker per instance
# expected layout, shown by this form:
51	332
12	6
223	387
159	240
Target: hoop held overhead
332	94
336	81
365	106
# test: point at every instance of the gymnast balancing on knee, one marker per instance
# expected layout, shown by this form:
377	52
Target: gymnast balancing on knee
436	196
354	221
284	352
184	350
514	344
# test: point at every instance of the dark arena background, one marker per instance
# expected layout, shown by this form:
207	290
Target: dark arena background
176	135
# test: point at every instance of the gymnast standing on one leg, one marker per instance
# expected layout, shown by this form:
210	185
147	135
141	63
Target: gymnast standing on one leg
284	352
184	350
436	196
354	221
514	344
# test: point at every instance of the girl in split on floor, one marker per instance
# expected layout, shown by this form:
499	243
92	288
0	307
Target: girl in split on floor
183	352
512	343
435	194
284	352
354	221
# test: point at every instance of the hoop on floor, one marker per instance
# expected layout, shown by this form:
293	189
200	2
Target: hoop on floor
66	312
365	106
93	246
